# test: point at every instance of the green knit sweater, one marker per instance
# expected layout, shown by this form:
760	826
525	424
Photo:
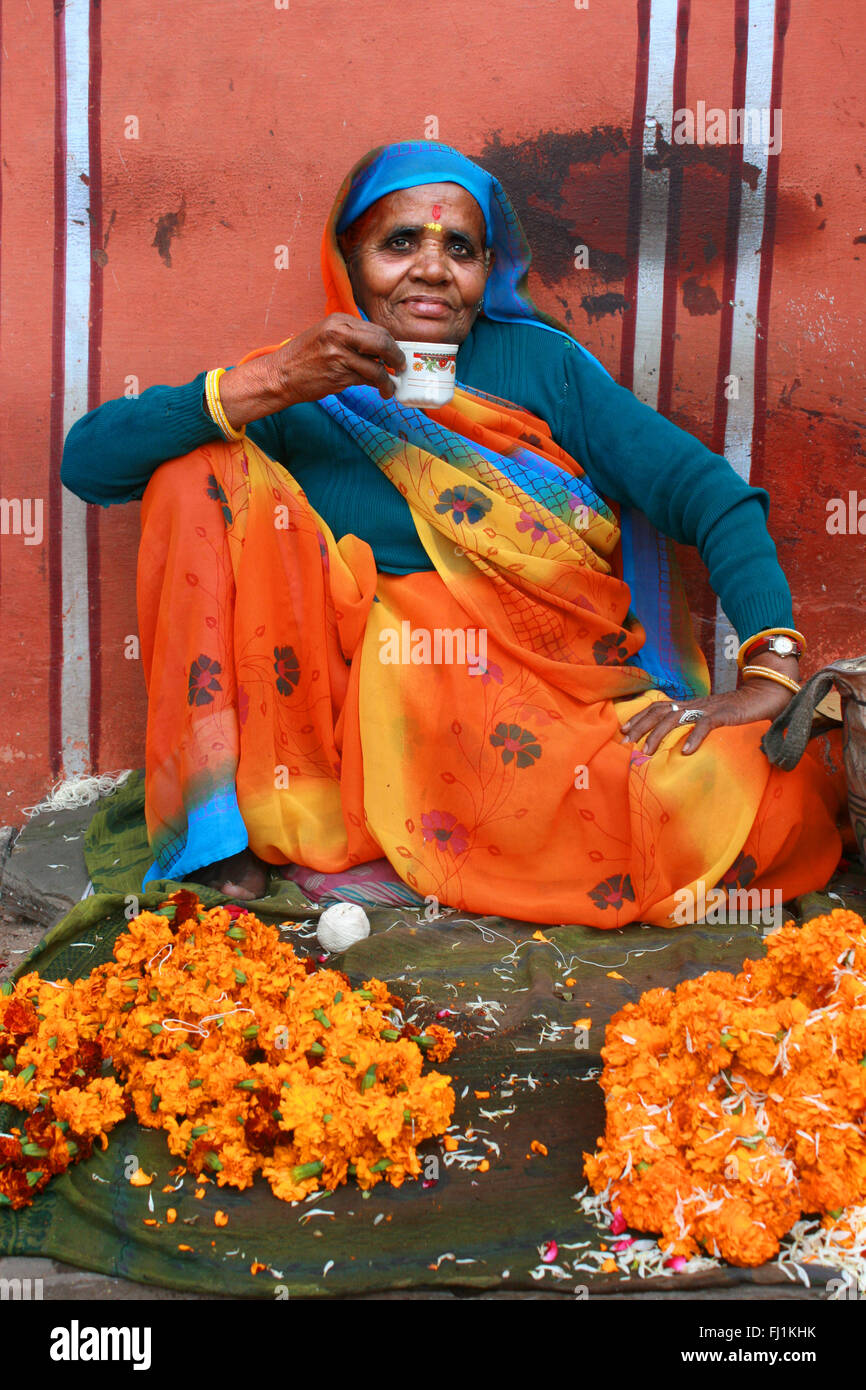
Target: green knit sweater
630	453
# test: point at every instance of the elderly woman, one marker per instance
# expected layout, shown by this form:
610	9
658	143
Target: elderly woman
296	517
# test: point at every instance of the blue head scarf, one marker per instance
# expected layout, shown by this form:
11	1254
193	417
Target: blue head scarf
412	162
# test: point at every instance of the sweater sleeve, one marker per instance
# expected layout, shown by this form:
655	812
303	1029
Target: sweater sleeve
634	455
111	453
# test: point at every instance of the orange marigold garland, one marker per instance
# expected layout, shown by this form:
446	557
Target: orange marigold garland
249	1059
736	1104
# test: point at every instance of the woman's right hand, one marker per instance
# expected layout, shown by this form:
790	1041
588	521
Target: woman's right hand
337	352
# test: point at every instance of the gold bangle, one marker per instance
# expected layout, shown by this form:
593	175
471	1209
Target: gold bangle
771	675
768	632
215	405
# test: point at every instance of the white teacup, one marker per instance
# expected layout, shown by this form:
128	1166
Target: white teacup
430	373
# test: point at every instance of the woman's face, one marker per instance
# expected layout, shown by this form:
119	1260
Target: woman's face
422	285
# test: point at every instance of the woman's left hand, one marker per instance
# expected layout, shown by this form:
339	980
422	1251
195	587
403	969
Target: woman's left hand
757	699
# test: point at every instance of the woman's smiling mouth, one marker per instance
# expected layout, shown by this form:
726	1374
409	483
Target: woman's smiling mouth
427	307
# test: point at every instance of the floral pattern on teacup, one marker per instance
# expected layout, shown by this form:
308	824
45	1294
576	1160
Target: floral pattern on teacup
430	362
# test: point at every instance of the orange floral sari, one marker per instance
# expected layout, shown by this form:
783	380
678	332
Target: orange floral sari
299	702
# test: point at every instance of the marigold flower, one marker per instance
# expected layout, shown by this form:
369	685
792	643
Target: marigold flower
247	1057
735	1103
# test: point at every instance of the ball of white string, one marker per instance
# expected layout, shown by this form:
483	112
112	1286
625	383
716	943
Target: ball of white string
341	925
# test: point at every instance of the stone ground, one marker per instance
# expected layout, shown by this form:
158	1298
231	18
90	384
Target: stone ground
42	876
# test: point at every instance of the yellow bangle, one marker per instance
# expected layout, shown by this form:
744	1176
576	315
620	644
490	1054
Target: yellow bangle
769	632
215	406
771	675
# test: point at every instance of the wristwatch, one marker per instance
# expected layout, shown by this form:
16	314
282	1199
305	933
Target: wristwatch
781	645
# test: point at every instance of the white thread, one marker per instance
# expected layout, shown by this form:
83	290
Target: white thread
68	795
183	1026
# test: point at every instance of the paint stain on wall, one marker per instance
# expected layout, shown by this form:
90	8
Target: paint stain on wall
100	254
700	299
717	157
596	306
571	189
168	227
568	188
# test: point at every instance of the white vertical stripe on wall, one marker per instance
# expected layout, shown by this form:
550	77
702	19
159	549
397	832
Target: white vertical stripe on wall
654	203
75	676
741	410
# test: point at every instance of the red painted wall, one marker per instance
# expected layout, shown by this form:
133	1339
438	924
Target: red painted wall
248	118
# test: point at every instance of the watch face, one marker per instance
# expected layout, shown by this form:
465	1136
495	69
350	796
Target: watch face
782	645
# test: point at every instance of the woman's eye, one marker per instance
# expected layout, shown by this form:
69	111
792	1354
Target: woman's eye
405	243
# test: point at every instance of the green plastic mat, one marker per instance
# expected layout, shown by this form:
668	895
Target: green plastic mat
115	845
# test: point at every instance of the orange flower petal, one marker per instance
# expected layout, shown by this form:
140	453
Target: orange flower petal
141	1179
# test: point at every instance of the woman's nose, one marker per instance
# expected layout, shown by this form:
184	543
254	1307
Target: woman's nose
431	261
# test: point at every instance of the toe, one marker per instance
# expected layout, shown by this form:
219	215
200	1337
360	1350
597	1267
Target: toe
237	890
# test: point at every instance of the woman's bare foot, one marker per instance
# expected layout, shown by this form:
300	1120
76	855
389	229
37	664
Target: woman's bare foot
243	876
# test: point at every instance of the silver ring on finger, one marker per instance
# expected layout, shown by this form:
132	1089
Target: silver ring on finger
690	716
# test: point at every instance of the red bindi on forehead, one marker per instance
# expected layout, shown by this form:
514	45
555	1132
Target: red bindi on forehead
437	208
